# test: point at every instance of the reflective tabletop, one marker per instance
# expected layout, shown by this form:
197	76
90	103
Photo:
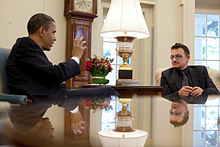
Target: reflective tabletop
162	122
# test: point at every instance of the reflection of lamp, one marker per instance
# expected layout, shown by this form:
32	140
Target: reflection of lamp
125	22
124	117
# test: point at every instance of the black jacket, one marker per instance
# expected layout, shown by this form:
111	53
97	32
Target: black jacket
29	72
199	75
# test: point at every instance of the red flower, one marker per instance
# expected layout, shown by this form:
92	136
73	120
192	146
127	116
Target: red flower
88	65
98	103
110	69
102	60
98	66
88	102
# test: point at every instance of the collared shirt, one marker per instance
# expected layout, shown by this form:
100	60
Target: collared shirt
76	59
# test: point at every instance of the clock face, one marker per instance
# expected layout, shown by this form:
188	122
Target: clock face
83	5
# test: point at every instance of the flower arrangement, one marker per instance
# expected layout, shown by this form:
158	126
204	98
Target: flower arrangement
99	66
98	103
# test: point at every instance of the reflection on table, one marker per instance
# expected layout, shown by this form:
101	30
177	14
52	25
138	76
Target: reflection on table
110	138
129	91
151	115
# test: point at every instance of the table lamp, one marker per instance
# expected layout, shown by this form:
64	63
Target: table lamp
125	22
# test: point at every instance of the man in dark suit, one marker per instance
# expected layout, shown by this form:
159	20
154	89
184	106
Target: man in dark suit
30	73
190	83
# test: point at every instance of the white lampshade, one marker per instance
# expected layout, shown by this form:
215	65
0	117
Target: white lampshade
125	16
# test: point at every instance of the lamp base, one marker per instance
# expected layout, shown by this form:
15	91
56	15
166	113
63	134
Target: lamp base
124	118
125	74
124	129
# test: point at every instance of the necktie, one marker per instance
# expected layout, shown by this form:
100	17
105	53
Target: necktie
184	79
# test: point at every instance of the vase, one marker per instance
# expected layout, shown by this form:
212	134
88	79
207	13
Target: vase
99	80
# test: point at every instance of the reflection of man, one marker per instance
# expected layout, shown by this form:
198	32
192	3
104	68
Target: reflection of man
29	118
191	83
43	128
179	113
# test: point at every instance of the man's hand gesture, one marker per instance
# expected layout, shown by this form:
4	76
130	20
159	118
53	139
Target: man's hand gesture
78	47
77	123
185	91
196	91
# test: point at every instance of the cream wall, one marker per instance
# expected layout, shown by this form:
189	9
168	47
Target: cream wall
14	16
96	27
168	29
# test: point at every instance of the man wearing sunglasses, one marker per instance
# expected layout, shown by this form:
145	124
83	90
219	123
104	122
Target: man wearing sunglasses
190	83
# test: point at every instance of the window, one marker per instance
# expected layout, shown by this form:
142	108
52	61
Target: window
207	53
109	50
108	117
206	131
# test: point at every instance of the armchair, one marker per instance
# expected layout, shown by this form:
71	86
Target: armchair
5	97
4	93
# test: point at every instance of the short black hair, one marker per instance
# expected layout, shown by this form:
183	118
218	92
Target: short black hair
184	47
37	21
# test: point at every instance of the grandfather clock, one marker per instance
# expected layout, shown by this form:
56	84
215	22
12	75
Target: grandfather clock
79	15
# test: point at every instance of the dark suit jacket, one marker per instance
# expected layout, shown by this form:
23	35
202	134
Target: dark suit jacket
199	74
29	72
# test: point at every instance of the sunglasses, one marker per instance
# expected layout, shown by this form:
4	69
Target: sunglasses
176	113
177	57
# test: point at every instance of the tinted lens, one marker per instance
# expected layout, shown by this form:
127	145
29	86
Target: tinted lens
176	113
177	57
